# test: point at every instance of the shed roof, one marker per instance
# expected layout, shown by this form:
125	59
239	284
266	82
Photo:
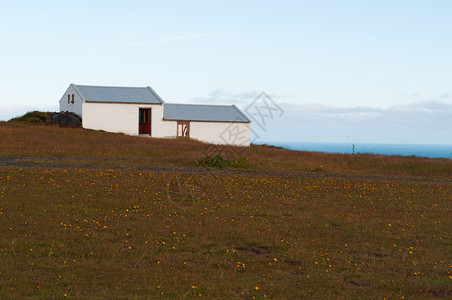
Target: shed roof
205	113
145	95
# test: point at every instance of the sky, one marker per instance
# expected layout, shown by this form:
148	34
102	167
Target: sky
338	71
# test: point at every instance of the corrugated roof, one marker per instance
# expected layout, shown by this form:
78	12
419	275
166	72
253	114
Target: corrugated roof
145	95
212	113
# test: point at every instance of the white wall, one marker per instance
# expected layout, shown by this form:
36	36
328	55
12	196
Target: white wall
123	118
221	133
164	129
120	117
76	107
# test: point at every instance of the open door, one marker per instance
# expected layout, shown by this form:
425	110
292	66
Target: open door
144	121
183	129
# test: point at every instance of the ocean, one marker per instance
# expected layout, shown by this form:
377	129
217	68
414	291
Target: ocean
431	151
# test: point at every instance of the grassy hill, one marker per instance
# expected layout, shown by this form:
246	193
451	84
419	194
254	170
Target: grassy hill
35	117
93	148
87	214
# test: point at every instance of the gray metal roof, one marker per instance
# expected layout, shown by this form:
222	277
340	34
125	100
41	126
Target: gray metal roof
145	95
206	113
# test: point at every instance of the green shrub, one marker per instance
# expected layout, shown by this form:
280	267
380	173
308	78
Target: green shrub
35	117
218	161
241	162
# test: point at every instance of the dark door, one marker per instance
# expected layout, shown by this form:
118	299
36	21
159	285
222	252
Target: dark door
145	121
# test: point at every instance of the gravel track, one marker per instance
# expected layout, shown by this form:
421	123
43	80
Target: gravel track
77	163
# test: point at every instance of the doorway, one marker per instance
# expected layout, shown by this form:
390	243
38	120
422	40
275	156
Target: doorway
144	121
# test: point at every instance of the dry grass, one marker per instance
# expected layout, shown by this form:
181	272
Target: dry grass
131	234
108	149
127	234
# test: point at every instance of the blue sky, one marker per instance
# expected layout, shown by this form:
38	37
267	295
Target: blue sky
342	71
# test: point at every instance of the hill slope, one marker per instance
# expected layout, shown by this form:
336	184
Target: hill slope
101	149
87	214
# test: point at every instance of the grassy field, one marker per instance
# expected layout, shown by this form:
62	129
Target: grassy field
85	148
87	214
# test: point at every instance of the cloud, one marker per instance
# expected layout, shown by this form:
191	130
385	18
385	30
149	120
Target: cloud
433	105
30	64
423	122
416	122
239	98
193	36
314	108
144	40
419	107
226	97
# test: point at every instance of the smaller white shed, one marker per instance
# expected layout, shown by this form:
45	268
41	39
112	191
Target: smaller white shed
141	111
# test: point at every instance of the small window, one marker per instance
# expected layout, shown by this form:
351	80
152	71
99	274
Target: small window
72	98
68	99
183	129
144	115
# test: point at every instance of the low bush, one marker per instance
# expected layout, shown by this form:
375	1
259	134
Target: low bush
35	117
218	161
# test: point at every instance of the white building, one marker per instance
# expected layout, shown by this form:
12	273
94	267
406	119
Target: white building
140	111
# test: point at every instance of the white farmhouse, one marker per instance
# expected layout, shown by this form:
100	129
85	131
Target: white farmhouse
140	111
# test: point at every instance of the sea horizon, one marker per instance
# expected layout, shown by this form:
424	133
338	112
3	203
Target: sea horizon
420	150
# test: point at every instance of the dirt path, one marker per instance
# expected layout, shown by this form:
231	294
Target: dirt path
81	163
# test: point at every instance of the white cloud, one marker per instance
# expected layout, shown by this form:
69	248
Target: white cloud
434	105
239	98
30	64
193	36
417	122
315	108
426	122
226	97
420	107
